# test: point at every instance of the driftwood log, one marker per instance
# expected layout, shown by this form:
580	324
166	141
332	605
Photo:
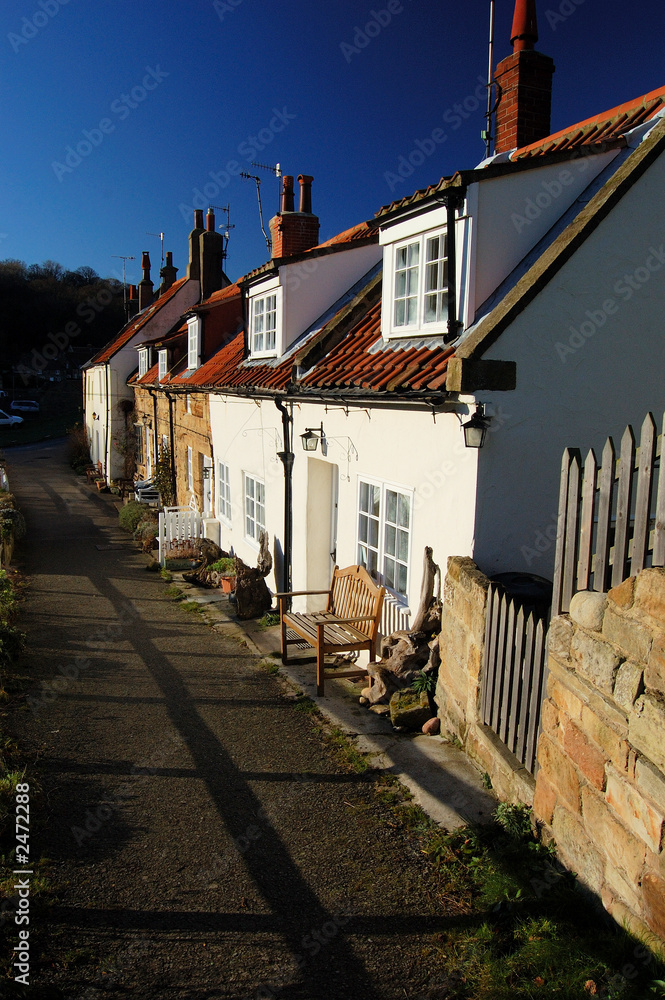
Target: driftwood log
209	552
253	598
405	654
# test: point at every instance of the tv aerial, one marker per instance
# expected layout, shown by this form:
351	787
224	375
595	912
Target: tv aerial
160	236
277	171
226	229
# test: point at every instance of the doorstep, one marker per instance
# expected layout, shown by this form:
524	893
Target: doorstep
442	778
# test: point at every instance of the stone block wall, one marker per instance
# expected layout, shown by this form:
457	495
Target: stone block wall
600	787
462	648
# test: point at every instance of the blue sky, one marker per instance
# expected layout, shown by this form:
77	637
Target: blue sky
170	94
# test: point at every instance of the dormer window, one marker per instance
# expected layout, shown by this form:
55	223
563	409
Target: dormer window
420	284
264	324
194	342
163	361
143	362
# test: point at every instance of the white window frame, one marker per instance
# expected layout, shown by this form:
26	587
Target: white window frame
223	492
419	324
384	556
190	468
253	525
143	362
188	402
270	298
163	364
193	342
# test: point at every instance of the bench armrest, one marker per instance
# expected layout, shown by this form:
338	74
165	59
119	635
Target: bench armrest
300	593
348	621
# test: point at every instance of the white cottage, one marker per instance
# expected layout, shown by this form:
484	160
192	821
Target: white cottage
107	397
513	286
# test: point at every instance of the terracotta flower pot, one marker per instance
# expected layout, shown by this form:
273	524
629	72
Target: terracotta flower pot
228	583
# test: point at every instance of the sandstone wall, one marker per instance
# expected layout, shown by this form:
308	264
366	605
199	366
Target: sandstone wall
600	787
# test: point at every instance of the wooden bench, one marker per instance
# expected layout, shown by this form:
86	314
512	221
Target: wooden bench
350	622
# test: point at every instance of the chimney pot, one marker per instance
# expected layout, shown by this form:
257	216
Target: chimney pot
524	33
169	258
287	199
145	285
305	182
525	79
198	218
210	221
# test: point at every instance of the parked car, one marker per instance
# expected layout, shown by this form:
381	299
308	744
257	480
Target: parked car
25	405
8	419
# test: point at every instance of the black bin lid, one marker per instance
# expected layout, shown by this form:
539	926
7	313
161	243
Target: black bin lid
525	586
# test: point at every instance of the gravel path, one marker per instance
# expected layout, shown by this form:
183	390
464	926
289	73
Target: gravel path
204	843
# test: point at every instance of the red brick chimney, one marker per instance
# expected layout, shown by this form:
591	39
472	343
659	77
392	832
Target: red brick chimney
293	232
145	285
525	79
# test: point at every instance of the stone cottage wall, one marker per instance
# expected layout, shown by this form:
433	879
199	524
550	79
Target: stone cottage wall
600	788
462	648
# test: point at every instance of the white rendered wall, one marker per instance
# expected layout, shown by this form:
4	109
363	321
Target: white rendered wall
312	286
516	210
574	387
110	381
405	449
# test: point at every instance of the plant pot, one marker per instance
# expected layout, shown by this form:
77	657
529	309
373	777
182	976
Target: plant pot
228	583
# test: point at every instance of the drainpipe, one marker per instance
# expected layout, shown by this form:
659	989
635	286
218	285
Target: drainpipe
154	430
287	458
453	201
109	413
172	447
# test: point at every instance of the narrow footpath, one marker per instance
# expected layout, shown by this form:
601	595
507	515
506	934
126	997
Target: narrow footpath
203	840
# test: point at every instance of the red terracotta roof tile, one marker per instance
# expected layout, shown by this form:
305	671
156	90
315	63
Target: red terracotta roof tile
135	325
360	232
363	362
607	126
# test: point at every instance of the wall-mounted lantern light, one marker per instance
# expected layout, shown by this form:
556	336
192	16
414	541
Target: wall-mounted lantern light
310	439
206	471
475	429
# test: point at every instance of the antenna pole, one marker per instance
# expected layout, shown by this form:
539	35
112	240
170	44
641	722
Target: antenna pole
119	256
160	236
490	73
253	177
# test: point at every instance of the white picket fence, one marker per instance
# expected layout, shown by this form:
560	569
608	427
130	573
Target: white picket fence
394	617
177	525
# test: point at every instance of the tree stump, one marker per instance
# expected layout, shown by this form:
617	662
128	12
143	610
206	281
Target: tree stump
253	598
